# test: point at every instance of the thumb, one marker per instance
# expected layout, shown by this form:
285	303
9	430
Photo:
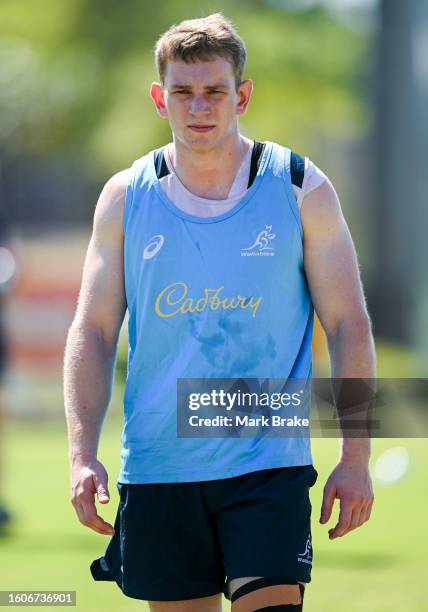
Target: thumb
327	503
102	489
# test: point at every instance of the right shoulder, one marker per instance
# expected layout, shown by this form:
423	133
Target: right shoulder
111	202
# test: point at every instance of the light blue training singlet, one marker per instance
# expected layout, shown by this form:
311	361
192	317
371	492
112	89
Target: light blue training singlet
215	297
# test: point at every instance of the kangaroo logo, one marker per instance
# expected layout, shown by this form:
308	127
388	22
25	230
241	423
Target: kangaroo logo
154	246
306	555
261	243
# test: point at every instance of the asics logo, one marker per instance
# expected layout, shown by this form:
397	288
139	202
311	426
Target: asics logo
154	246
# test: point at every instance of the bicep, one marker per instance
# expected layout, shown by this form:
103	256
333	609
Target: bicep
330	259
102	302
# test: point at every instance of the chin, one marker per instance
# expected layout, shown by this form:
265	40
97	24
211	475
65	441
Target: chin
201	144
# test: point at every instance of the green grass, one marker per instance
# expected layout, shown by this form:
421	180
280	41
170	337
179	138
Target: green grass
380	567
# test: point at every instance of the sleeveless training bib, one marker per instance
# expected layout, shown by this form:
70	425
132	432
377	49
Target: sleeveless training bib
213	297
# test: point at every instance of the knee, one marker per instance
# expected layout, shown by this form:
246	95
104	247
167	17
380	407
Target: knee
266	593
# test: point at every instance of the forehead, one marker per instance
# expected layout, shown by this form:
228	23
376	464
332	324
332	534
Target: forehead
199	72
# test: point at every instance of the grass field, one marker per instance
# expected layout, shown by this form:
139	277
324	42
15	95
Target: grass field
381	567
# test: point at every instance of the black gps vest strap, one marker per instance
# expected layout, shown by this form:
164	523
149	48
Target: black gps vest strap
160	164
256	156
297	169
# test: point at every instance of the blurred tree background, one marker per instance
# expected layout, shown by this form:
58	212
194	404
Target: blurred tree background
75	75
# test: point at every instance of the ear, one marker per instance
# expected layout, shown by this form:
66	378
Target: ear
157	95
244	94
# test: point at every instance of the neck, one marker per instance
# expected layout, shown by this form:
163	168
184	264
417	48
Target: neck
209	174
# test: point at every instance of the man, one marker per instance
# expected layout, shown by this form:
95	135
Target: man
180	240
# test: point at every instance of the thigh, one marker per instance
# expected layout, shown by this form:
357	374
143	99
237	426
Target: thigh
264	530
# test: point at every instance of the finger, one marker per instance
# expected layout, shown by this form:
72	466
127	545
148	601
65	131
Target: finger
84	519
96	523
369	510
356	518
366	511
93	520
101	489
365	514
343	523
327	503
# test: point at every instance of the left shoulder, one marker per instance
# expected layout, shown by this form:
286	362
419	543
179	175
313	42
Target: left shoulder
305	176
321	210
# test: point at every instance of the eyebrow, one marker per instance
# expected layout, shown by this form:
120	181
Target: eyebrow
183	86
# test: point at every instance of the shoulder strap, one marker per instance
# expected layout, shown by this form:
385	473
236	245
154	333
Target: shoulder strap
297	169
160	163
256	157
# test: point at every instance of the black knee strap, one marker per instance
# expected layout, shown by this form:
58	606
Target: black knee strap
259	583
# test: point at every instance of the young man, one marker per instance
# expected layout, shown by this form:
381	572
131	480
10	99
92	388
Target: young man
170	243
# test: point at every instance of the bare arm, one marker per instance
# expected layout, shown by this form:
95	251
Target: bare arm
334	281
91	351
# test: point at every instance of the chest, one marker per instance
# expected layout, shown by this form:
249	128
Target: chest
258	245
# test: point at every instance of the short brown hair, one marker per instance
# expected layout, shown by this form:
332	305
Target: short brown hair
201	40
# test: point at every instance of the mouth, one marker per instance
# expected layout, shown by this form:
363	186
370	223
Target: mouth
201	128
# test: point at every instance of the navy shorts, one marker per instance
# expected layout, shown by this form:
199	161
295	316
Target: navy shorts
186	540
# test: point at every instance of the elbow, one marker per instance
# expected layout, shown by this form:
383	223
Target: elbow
356	325
360	324
87	331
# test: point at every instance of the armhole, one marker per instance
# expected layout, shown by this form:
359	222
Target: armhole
289	162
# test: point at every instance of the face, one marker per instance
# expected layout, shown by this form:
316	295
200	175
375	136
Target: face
201	102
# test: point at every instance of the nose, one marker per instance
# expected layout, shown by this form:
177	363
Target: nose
199	104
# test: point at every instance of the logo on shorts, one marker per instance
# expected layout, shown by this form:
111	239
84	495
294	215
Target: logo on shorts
261	244
306	555
154	246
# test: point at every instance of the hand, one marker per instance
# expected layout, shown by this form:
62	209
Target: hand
351	483
89	477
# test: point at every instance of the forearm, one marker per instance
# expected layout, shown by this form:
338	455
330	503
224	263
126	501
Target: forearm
352	356
88	378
